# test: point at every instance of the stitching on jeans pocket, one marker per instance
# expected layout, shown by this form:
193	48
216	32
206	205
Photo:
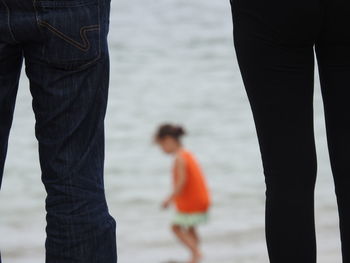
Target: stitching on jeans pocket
71	34
84	46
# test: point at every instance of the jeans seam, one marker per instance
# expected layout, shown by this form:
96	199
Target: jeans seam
86	43
8	22
36	14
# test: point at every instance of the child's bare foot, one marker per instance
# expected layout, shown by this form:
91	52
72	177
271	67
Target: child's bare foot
197	257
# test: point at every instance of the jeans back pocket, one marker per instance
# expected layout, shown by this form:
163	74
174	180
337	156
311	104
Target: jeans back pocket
71	30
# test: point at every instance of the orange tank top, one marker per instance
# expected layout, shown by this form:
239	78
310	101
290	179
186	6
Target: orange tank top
194	197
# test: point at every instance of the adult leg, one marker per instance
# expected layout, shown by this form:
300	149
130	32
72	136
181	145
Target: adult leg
10	68
68	70
333	53
276	59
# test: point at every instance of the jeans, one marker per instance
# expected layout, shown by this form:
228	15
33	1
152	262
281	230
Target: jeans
275	43
64	44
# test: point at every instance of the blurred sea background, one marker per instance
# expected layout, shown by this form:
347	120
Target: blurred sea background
171	60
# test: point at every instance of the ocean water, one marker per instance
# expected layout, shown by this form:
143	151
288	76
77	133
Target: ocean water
171	60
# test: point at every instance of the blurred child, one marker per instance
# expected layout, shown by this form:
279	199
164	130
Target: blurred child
190	193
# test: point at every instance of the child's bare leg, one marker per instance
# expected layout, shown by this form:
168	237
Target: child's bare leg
193	232
187	239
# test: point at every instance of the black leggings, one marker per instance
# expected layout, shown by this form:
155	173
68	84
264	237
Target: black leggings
275	42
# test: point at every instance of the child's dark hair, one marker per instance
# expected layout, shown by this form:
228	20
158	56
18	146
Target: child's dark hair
170	130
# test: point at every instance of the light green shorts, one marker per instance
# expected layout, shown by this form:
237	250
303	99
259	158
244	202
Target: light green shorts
190	220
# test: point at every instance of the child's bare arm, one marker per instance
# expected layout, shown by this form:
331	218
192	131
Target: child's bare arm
180	181
180	176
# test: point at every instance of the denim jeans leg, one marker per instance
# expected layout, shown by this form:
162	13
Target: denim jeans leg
68	70
69	109
10	68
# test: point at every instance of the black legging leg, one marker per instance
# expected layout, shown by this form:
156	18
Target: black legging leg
333	53
278	72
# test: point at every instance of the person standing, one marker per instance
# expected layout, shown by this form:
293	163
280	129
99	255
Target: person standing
64	44
275	43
